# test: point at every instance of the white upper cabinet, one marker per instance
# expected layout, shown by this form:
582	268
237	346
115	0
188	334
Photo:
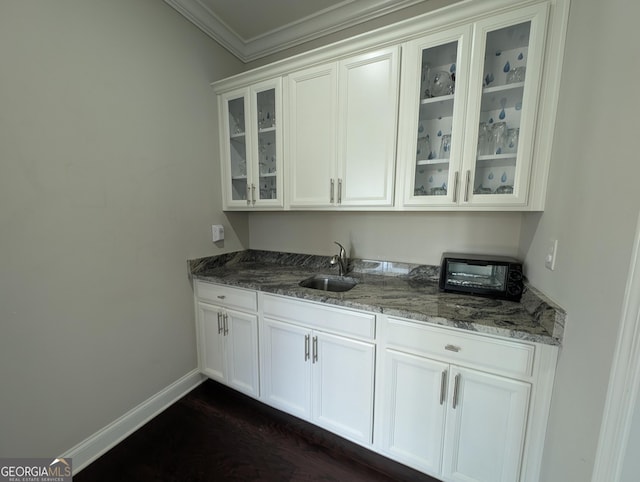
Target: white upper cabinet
468	112
368	100
251	146
341	132
451	110
431	129
312	135
506	71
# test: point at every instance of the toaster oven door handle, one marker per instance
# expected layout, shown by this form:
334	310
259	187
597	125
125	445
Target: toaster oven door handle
473	262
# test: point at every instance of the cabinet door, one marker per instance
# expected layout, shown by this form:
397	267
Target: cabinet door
504	87
432	136
211	341
485	427
414	406
286	366
368	99
343	372
311	136
241	343
266	144
233	108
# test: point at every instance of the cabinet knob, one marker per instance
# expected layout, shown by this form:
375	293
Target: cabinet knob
221	297
452	348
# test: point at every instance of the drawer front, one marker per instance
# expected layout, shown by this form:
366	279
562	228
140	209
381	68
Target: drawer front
478	351
321	317
238	298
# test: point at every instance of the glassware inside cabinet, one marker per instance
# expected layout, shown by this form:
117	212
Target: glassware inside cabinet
238	149
435	121
504	78
266	102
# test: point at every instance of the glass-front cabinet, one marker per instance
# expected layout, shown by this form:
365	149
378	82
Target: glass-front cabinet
471	94
436	89
251	146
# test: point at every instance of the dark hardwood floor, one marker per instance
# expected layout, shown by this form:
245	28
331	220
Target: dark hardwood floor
217	434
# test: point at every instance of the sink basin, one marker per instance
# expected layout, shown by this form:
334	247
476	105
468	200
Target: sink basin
329	283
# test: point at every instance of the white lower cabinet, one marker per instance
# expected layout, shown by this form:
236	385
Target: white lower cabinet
414	414
326	378
484	431
228	344
452	421
457	405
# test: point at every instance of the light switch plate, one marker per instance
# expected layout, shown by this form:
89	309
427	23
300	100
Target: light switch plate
550	258
217	232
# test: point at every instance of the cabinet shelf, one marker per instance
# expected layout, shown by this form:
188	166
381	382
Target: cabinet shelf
502	96
436	107
498	157
433	162
239	178
238	136
266	130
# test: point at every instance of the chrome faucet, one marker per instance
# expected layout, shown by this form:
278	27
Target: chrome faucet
341	260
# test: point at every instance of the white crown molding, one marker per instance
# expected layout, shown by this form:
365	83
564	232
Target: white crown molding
325	22
207	21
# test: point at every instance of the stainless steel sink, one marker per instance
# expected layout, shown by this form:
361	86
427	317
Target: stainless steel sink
329	283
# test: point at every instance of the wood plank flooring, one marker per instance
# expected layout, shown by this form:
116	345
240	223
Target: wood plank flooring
217	434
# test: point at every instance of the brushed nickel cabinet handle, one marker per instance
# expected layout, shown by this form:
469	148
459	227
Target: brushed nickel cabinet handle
443	385
248	195
219	323
455	187
339	191
226	324
253	194
452	348
466	186
456	390
315	349
331	190
306	347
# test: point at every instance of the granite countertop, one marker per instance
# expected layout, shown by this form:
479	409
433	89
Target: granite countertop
398	289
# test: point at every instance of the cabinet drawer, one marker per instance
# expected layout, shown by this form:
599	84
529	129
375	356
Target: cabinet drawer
226	296
478	351
321	317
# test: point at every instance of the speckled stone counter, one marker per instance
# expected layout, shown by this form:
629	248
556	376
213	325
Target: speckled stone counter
398	289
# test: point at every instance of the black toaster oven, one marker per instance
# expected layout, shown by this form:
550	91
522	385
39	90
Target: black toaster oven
483	275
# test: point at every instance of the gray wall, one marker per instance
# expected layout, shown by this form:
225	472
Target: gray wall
107	186
409	237
592	208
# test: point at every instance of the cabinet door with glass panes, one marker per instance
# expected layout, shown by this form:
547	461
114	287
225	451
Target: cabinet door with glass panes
431	129
504	86
251	146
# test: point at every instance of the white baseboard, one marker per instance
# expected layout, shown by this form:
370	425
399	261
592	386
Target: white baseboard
104	439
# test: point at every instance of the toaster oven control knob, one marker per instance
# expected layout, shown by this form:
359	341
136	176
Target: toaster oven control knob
515	276
514	289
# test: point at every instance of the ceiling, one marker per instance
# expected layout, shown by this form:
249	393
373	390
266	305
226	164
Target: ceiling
251	29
